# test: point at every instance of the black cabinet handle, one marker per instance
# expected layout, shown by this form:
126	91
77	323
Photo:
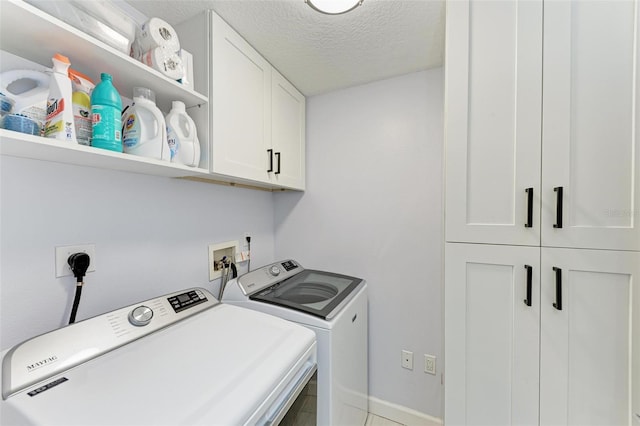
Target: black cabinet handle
558	191
529	269
270	152
529	223
558	302
278	157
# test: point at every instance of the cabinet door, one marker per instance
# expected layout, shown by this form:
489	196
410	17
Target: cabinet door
590	116
493	129
491	335
288	132
241	106
590	344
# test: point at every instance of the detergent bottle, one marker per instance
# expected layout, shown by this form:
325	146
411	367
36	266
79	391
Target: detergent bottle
81	99
29	90
182	136
106	106
145	131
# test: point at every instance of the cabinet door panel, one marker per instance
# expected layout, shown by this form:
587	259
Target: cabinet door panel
288	131
491	335
493	128
590	115
588	349
241	106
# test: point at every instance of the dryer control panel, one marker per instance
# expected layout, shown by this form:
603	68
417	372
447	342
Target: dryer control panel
267	276
59	350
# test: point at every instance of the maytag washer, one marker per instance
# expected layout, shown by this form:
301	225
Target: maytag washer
180	359
334	306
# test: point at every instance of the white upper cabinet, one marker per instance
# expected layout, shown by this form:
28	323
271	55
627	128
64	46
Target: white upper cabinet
493	122
240	105
567	129
590	131
590	337
288	109
257	118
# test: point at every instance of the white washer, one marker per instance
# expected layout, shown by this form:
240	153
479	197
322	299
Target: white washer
180	359
334	306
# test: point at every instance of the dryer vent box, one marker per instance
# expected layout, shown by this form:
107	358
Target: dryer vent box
216	253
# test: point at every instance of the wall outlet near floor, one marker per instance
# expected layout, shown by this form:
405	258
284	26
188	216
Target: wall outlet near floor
63	252
407	360
430	364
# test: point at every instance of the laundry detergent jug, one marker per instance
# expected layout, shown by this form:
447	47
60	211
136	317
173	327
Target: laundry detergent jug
29	91
145	131
182	136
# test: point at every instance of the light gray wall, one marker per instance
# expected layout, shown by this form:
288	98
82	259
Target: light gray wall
151	236
373	209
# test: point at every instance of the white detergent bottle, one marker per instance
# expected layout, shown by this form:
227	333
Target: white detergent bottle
145	131
182	136
60	122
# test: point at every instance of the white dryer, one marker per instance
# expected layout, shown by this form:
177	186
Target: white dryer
180	359
334	306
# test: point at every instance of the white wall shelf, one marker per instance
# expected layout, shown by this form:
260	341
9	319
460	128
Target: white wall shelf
38	148
32	34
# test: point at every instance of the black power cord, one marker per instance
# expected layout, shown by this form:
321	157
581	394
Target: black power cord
248	238
79	263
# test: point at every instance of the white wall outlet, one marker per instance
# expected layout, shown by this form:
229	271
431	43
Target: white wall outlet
430	364
216	253
407	360
63	252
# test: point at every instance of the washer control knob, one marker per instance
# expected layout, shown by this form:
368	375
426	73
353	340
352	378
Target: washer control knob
140	316
274	270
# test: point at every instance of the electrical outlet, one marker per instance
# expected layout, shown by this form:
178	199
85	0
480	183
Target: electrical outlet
217	252
63	252
430	364
407	360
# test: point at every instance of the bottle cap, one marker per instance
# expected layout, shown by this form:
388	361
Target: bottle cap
143	92
61	58
178	106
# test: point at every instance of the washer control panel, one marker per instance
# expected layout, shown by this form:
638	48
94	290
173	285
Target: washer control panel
267	276
274	270
183	301
140	316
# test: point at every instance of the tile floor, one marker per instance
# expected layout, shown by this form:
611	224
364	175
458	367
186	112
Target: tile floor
303	410
373	420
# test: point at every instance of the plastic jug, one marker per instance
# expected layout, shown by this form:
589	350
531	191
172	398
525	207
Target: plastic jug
31	102
81	98
182	136
60	122
106	107
145	131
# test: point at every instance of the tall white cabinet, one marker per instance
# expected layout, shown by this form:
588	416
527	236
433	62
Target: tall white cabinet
542	266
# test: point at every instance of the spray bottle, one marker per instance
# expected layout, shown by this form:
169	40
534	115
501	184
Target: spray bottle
59	123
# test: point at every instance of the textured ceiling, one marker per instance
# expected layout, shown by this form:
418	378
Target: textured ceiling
319	53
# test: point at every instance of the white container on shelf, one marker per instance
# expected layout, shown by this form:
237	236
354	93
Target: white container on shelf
145	131
182	136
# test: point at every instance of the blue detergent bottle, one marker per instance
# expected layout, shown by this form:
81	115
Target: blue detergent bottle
106	108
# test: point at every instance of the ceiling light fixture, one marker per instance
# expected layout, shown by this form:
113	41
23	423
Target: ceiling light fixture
333	7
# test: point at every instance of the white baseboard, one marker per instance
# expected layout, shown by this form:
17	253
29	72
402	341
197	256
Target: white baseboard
400	414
